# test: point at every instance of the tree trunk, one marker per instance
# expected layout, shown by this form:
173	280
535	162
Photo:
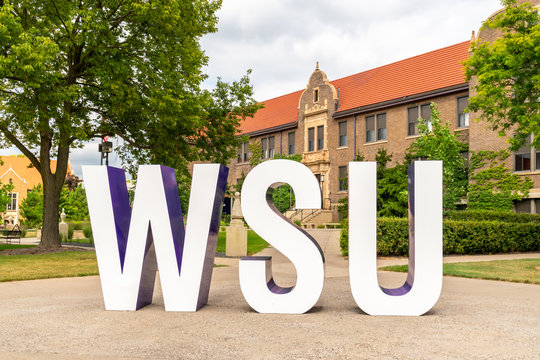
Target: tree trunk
50	235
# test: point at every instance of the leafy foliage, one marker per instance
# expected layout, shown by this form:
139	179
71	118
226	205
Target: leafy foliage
74	71
438	142
256	154
5	190
72	201
31	208
492	215
283	196
508	73
493	186
392	187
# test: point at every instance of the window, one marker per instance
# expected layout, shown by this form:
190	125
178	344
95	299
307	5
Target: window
243	152
381	126
412	118
267	147
311	139
316	95
527	158
342	178
342	133
370	128
425	114
239	153
376	122
462	116
412	121
291	143
320	137
12	204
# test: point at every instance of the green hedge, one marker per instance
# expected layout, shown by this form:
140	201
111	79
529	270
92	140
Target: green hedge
459	237
489	215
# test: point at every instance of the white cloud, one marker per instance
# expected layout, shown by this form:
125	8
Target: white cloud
281	40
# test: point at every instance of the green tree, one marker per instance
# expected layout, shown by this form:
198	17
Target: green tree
255	153
438	142
392	186
31	207
508	73
493	186
71	71
283	195
72	201
392	191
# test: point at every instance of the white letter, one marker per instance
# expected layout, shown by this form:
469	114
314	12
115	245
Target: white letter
125	242
422	288
256	282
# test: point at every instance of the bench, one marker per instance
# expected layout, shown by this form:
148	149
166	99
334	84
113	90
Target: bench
9	235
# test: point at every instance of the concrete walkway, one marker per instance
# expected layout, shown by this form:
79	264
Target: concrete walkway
473	319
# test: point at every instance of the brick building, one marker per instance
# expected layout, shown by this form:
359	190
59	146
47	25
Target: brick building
330	121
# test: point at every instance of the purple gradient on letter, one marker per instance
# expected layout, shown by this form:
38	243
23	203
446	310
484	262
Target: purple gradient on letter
121	209
213	232
271	284
175	213
407	286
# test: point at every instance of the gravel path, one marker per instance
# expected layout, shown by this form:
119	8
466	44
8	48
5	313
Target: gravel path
65	319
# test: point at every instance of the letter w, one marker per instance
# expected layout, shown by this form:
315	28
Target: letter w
130	245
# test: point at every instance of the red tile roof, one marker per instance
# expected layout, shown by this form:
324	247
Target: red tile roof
422	73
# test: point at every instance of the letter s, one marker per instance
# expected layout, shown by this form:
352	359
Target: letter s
256	282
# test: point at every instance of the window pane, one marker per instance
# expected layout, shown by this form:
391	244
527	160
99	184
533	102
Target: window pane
343	133
320	137
381	127
523	162
316	95
264	148
426	112
240	149
342	178
412	119
311	139
462	103
537	160
271	147
291	143
370	128
246	151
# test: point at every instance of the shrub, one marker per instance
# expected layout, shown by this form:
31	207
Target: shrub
491	215
320	226
298	222
87	230
70	233
459	237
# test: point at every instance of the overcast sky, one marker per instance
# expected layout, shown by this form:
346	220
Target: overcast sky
281	40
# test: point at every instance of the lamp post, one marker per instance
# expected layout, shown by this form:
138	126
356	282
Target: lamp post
105	148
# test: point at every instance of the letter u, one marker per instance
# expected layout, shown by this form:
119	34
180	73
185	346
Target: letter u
423	286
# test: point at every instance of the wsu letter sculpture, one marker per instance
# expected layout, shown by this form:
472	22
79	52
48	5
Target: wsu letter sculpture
130	244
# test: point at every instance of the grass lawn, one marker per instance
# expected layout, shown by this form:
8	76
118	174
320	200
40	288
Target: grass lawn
523	270
254	242
77	241
45	266
14	246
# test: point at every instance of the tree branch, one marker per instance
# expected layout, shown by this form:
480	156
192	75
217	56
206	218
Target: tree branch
11	137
